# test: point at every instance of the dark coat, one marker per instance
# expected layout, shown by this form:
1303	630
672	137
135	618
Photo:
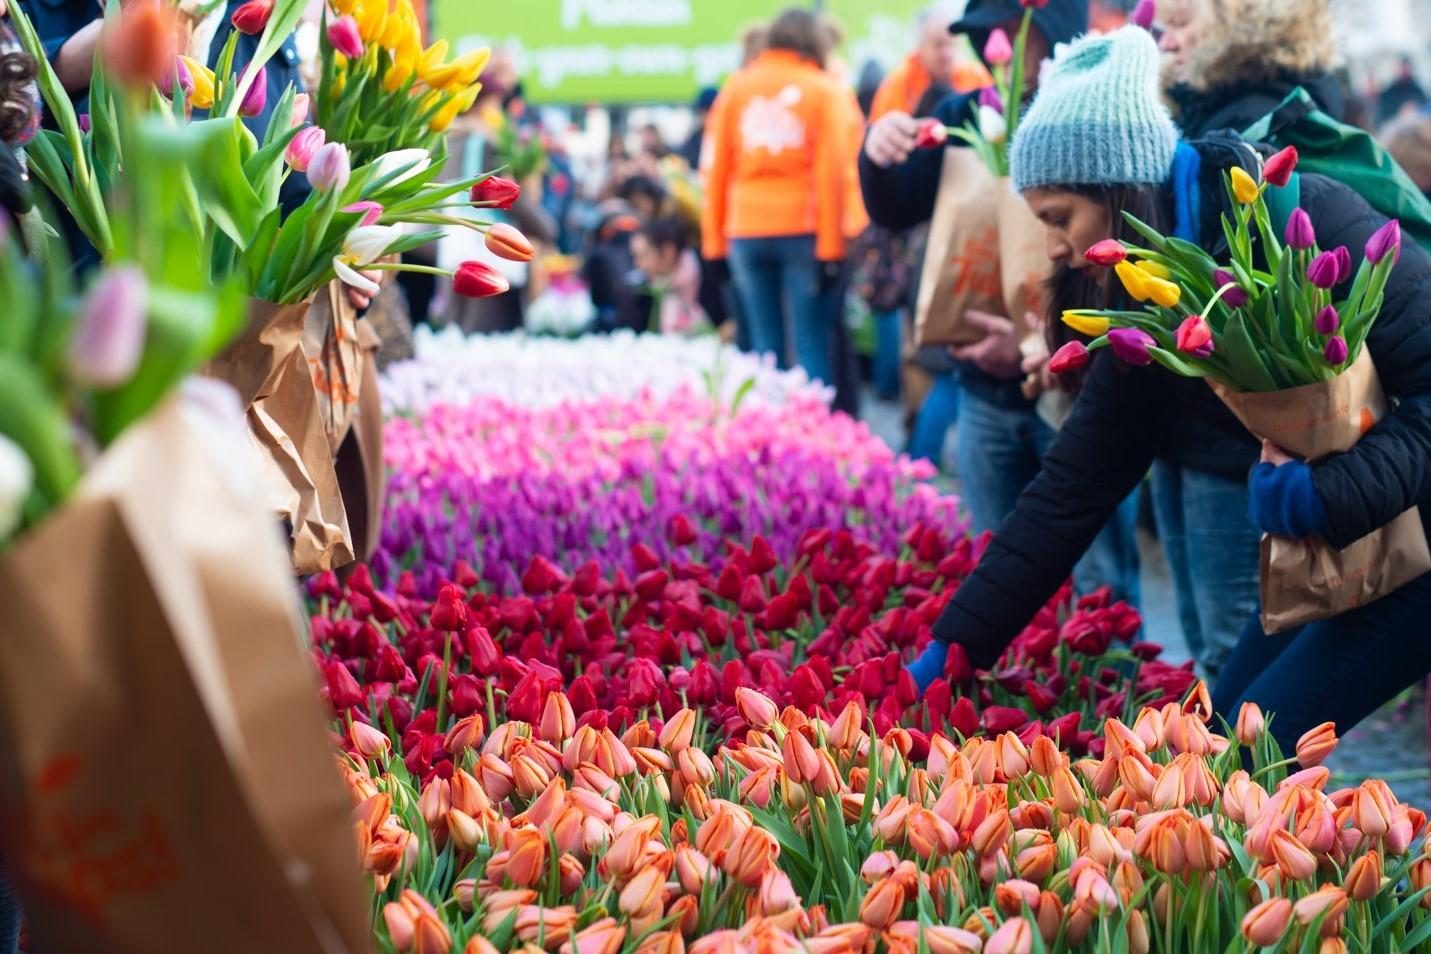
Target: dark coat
1239	104
1125	417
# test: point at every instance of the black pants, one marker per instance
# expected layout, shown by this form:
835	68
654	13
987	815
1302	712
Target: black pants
1339	670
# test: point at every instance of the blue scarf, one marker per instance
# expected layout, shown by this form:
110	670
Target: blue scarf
1187	195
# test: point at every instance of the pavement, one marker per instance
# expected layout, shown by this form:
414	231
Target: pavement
1390	744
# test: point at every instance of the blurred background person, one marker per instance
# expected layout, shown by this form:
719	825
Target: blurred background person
775	193
691	149
1408	139
1403	94
661	251
934	60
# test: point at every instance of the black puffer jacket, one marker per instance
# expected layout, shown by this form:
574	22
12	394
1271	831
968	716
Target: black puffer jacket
1126	417
1239	104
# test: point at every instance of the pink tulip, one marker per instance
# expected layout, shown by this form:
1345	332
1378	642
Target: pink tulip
304	147
329	169
343	34
108	340
256	99
998	51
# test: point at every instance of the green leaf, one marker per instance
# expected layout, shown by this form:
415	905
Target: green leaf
31	416
1244	365
1177	363
215	151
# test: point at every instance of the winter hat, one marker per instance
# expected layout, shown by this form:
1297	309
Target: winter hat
1098	118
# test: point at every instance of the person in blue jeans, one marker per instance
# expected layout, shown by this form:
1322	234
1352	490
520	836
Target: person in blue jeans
935	418
777	275
1126	417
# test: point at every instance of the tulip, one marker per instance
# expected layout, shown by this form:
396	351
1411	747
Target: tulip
108	340
370	211
602	937
998	50
1328	903
1279	167
329	169
1156	269
1194	337
1294	861
1363	880
1134	279
558	721
362	246
1250	724
1086	323
302	103
304	147
748	861
758	711
1144	14
252	18
881	907
1236	296
368	741
401	166
678	732
139	48
992	125
17	476
496	192
1014	936
642	893
178	79
256	99
344	36
1266	924
201	83
1131	345
1335	351
504	241
1299	232
1384	241
1106	253
1324	270
1244	187
1328	321
989	96
478	280
479	945
931	134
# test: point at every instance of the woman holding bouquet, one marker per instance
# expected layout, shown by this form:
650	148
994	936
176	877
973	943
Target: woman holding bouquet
1097	143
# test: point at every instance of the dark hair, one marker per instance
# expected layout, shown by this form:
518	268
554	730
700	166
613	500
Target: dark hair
644	186
667	230
1070	288
17	106
802	32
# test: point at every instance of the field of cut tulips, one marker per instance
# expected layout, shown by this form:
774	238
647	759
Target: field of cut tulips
627	675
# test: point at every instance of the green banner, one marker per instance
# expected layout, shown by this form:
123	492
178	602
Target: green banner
647	51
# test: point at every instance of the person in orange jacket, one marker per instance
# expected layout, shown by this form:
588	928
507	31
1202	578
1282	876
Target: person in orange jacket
781	151
935	56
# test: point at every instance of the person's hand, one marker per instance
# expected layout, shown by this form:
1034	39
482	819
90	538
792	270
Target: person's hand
1274	455
727	331
930	664
891	139
998	354
360	299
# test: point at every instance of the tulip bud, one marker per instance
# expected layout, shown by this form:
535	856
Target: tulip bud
478	280
304	147
1324	270
1250	723
883	904
1144	14
998	50
989	97
1299	232
1014	936
1278	169
757	709
496	192
1106	253
1267	923
1244	187
139	48
1194	337
16	478
1131	345
252	18
1235	297
992	125
1335	351
368	741
108	340
1073	356
344	36
256	98
931	134
1085	323
1384	241
1363	881
506	242
302	103
178	79
371	211
328	170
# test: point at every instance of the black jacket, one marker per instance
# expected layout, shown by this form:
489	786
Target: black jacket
1125	417
903	196
1237	105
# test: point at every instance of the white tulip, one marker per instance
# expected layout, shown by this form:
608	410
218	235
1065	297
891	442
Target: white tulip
363	246
412	161
992	125
17	476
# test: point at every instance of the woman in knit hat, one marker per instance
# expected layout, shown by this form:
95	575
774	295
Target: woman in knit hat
1098	142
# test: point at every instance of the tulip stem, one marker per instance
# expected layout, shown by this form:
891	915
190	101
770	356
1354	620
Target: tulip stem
442	683
1275	765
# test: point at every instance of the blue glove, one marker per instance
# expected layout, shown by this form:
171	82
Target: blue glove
930	664
1285	501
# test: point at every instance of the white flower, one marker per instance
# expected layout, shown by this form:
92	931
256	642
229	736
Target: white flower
363	246
992	125
412	161
16	478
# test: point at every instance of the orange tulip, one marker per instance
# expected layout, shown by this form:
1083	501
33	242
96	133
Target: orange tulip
685	914
1332	945
466	794
889	822
464	831
435	802
552	925
1170	790
1317	744
1014	936
1044	758
801	762
1250	723
1363	881
479	945
1420	875
614	758
695	768
938	939
465	734
495	776
139	48
748	861
882	905
662	942
1036	863
929	835
1371	813
602	937
1137	776
1067	792
777	893
1013	756
758	710
527	858
1150	728
643	893
1267	923
1328	903
640	735
558	721
369	742
847	731
1204	850
677	733
1011	896
1292	858
431	936
992	833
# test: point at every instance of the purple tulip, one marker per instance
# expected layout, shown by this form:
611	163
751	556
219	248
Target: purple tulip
1131	345
85	123
1343	258
1144	14
256	98
108	339
180	72
1336	351
989	96
1328	321
1324	270
1299	233
1385	240
1235	296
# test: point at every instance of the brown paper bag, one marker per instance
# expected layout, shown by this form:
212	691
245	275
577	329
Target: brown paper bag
169	781
1307	580
961	259
335	358
361	475
270	368
1024	266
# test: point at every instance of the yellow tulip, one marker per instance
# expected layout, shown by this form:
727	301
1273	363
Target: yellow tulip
1086	323
372	18
1163	293
442	76
396	28
202	95
397	76
447	115
1134	279
343	7
1244	187
1156	269
432	58
472	64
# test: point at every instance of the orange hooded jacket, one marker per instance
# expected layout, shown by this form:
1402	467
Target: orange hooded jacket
907	83
781	152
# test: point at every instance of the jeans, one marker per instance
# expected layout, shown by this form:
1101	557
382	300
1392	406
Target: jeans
931	426
999	452
10	916
1213	555
1339	670
887	326
777	277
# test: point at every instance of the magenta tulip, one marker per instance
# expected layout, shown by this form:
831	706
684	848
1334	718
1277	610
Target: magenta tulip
1144	14
1131	345
1071	357
989	96
343	34
1324	270
1328	321
300	152
1336	351
1235	296
1299	232
1384	241
256	98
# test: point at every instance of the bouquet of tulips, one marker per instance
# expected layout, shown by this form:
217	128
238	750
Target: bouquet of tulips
380	91
1269	318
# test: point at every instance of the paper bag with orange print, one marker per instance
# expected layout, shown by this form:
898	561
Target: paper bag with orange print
1307	580
330	342
961	259
1024	267
168	781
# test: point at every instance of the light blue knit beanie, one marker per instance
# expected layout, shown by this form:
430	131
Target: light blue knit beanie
1098	118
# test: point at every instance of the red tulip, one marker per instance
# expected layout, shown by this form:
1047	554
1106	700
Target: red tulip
1278	169
343	690
449	614
681	531
478	280
496	192
1073	356
931	134
252	18
542	576
1106	253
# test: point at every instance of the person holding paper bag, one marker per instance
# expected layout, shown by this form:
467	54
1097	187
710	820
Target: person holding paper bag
1098	143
